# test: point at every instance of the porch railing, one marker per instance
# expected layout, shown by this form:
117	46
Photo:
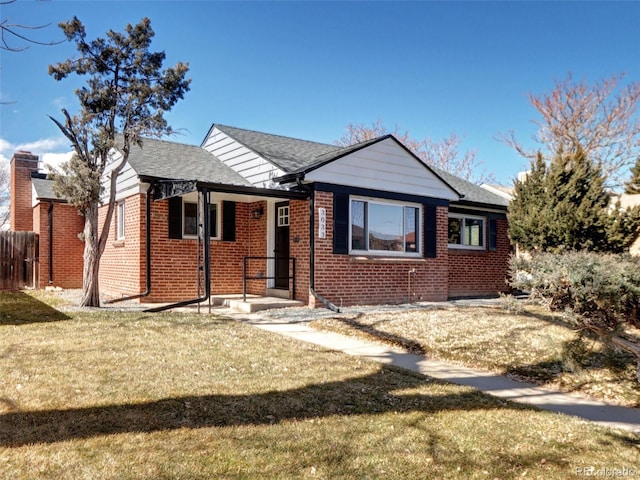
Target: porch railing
291	262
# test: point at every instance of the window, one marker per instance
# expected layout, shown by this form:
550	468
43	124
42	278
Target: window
283	216
190	220
466	231
120	221
384	227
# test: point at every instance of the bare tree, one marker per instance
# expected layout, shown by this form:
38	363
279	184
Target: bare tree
18	32
443	154
600	120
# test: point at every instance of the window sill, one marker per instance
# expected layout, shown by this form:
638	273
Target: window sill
383	259
118	243
468	250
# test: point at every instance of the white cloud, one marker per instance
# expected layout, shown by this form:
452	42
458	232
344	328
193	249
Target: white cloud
55	159
52	151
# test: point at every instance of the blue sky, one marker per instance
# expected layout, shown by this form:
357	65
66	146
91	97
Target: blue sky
307	69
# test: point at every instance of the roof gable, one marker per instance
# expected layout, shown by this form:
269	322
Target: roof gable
380	164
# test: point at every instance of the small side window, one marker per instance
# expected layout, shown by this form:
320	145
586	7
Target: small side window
120	213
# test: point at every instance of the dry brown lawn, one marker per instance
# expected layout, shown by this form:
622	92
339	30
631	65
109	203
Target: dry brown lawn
108	395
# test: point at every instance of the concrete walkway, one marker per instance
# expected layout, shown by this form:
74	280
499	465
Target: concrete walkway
599	412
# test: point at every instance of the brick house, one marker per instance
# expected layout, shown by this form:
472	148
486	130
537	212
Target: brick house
365	224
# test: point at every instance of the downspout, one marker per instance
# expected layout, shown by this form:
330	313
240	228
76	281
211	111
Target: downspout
207	263
50	215
312	247
147	253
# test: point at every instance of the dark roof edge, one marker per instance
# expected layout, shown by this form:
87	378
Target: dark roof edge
239	189
490	206
290	177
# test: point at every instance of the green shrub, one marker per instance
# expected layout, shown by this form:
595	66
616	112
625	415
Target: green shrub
602	291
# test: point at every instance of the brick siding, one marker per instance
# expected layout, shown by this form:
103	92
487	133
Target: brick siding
68	249
477	273
352	280
22	164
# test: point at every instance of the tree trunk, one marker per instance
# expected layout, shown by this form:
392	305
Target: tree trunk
90	285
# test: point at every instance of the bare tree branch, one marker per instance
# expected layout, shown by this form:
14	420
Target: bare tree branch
443	154
601	120
13	30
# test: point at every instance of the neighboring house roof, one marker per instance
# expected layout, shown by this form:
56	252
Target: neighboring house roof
178	161
506	192
472	193
288	154
43	187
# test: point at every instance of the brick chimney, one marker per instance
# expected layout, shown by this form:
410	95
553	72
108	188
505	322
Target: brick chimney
22	164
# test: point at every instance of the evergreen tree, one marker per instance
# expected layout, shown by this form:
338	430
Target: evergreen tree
126	96
527	211
565	207
633	185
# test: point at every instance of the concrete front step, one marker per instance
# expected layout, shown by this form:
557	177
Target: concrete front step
253	303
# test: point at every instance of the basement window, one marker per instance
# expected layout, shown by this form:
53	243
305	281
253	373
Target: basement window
384	227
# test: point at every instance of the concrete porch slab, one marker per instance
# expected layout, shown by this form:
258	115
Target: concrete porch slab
253	303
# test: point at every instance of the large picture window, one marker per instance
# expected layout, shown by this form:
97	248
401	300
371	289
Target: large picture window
466	231
190	220
384	227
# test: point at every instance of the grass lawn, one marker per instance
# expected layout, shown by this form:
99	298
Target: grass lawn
108	395
531	345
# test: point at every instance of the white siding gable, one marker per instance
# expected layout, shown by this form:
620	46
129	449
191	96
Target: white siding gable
256	169
128	182
385	166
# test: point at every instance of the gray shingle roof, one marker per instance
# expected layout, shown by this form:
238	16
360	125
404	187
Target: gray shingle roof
44	189
472	193
177	161
289	154
294	156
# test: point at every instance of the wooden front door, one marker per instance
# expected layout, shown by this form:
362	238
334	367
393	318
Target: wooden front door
282	245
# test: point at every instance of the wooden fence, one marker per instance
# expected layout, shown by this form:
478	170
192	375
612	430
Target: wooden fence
18	259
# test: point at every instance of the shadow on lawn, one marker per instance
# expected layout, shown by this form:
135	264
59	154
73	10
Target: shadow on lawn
408	344
372	394
19	308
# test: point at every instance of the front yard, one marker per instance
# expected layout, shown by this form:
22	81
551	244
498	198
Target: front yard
531	345
106	395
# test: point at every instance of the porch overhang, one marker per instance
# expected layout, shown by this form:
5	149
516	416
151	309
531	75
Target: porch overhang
166	188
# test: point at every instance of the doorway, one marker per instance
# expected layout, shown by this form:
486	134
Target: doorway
281	250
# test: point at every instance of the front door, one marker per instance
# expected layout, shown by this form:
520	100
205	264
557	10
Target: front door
282	245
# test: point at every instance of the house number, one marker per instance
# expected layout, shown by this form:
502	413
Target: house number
322	222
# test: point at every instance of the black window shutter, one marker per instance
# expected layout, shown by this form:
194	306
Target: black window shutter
493	234
229	221
430	231
340	223
175	217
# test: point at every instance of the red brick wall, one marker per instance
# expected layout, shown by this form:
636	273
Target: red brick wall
475	273
299	245
342	279
122	263
174	261
22	164
68	249
352	280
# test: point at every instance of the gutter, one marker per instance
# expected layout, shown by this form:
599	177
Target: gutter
147	254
